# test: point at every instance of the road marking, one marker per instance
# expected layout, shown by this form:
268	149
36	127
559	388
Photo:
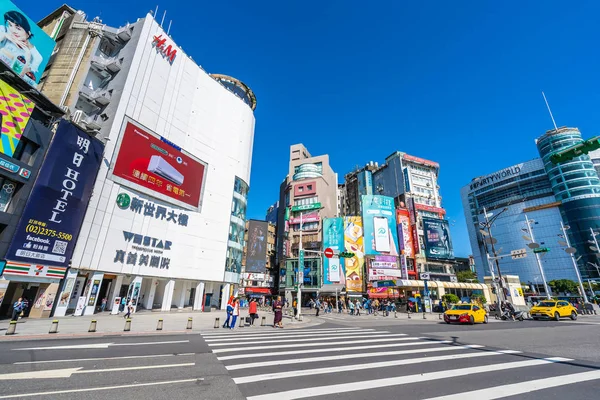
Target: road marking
99	345
282	335
133	385
374	335
356	367
67	372
333	349
514	389
400	380
300	330
287	346
347	357
102	358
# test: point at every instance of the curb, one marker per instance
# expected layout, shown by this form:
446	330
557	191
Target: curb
58	336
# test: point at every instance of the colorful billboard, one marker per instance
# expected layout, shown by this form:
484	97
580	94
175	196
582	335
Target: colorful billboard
51	220
353	242
24	47
379	218
405	237
153	165
15	110
256	250
438	243
333	237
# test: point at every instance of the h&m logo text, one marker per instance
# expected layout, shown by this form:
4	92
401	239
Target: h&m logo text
166	51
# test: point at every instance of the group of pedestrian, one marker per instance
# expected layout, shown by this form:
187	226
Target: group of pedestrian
126	304
233	312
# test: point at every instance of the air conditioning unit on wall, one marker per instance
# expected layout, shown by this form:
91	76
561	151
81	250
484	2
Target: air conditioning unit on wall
159	166
77	116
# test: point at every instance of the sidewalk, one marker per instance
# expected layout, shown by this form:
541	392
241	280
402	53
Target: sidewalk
142	323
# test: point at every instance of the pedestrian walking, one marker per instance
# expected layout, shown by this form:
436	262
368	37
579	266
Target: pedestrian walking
235	313
252	310
17	309
357	307
129	308
229	311
122	305
295	307
103	305
277	313
318	307
340	306
351	306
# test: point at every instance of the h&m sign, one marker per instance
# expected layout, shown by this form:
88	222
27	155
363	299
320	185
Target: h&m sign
167	51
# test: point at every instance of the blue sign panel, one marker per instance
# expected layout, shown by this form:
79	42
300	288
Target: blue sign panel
438	243
51	220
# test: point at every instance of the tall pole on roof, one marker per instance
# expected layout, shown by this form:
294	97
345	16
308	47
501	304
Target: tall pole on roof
550	111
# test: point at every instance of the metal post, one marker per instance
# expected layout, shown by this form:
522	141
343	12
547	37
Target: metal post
127	327
500	291
54	327
564	231
92	326
263	322
595	240
12	327
189	324
159	324
217	322
537	257
300	267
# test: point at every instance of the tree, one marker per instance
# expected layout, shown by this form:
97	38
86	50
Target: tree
466	276
450	298
478	298
563	286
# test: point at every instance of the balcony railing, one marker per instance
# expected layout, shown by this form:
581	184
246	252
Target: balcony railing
98	96
112	64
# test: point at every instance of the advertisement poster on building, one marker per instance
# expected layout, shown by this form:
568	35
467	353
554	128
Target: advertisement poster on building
333	238
256	250
51	220
380	230
15	110
151	164
404	267
24	47
80	306
353	242
405	238
94	293
438	243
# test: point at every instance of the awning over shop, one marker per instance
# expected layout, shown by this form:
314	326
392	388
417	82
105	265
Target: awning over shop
258	290
332	288
383	293
462	285
415	283
446	285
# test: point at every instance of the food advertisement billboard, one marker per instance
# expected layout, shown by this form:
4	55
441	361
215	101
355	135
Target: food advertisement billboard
353	242
437	238
379	218
24	47
151	164
15	110
52	218
256	256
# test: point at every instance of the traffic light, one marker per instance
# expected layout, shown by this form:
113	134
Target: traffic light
346	254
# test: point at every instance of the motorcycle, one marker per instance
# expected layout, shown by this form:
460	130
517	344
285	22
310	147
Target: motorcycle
516	315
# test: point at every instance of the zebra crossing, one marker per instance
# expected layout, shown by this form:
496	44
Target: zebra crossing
365	363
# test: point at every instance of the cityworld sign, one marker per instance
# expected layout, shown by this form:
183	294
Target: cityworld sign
495	177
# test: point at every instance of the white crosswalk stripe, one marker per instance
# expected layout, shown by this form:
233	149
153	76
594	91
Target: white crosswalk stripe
319	363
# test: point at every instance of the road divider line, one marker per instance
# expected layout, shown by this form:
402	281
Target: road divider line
374	335
356	367
299	330
404	341
98	345
138	367
283	336
93	389
344	357
401	380
514	389
102	358
150	343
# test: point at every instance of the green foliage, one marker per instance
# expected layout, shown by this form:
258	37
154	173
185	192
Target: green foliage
479	298
466	276
563	285
450	298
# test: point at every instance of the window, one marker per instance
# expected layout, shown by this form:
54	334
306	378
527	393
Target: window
300	189
307	201
309	187
8	189
26	151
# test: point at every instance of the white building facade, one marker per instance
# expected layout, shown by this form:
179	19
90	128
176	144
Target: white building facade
166	233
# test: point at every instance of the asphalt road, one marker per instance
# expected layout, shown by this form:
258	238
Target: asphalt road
351	358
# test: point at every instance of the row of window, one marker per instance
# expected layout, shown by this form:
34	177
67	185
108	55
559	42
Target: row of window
306	201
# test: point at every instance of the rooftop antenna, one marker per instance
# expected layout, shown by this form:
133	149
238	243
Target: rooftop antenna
163	18
156	12
550	111
169	29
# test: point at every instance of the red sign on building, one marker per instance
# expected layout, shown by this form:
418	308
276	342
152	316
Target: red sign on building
161	46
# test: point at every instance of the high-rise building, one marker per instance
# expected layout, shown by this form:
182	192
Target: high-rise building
308	194
259	270
272	212
548	195
358	183
166	224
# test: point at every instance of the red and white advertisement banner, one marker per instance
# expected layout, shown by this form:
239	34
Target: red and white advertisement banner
151	164
420	161
376	274
432	209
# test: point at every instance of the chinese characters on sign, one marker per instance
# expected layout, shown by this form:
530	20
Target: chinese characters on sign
142	245
147	208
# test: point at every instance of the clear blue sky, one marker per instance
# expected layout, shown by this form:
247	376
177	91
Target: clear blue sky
457	82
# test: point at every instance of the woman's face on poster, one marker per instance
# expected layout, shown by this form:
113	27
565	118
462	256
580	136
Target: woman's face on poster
17	31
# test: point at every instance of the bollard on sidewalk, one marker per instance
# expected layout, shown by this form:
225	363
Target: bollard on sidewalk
159	324
189	324
12	327
217	323
263	322
127	327
395	314
92	326
54	327
440	316
242	322
409	315
424	316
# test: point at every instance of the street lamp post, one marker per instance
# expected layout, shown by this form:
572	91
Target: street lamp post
537	256
492	240
571	251
300	268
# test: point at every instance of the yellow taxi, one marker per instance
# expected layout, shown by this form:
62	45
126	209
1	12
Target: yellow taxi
465	314
555	309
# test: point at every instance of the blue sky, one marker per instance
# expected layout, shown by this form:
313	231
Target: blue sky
456	82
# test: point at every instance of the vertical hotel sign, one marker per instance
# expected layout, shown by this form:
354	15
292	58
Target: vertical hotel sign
333	237
15	110
51	220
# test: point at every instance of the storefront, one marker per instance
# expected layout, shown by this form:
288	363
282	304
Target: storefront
414	288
